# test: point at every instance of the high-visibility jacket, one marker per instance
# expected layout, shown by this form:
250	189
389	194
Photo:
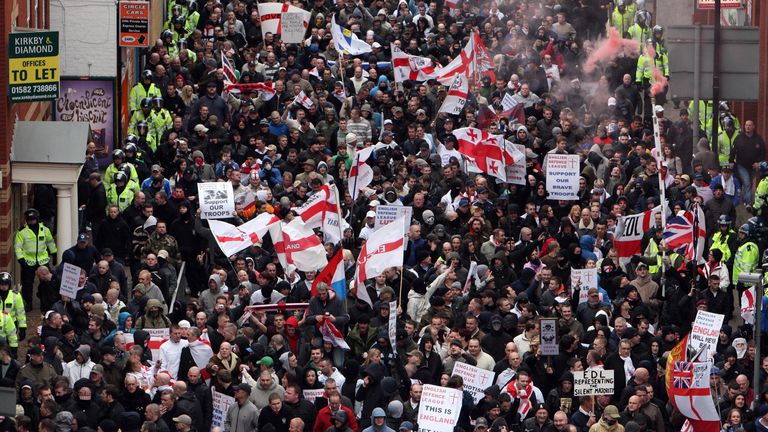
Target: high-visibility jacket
761	195
138	117
138	93
13	307
122	199
34	248
640	34
720	242
746	260
706	111
652	250
644	71
622	21
192	20
724	146
109	174
161	122
662	58
8	331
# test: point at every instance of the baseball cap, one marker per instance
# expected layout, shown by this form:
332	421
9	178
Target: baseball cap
370	214
156	168
611	411
35	350
266	361
200	128
163	254
83	237
184	324
183	419
481	422
242	386
406	425
99	369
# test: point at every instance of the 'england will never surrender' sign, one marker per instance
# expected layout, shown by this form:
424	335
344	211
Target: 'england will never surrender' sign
439	409
593	382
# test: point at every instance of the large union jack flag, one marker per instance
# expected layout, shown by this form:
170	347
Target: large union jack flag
678	234
682	375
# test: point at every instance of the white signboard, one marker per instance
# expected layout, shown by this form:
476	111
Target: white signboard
221	404
562	176
705	331
217	200
583	280
439	409
70	280
393	323
292	27
548	335
386	214
476	380
312	394
516	172
593	382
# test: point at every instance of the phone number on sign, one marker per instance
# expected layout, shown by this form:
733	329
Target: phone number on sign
35	89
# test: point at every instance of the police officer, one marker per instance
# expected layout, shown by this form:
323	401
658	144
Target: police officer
761	194
621	17
145	89
118	159
747	256
728	134
135	157
8	327
143	115
161	119
119	193
724	239
33	244
640	30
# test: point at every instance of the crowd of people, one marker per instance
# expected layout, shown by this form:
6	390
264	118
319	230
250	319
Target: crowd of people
484	260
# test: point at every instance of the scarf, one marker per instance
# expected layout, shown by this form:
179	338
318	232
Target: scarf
729	186
524	395
230	363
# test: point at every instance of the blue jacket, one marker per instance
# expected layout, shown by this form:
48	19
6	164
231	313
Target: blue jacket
587	243
718	180
148	182
273	176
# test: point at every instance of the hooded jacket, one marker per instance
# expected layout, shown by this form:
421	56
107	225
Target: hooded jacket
153	318
208	297
378	412
75	370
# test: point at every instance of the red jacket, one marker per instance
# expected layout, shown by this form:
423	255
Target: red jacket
324	419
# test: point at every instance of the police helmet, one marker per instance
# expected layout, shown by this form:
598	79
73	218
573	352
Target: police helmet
146	103
192	6
180	20
121	177
641	16
132	139
31	214
157	102
763	168
746	229
181	2
166	34
118	154
723	106
658	29
142	127
131	148
6	278
127	170
724	220
146	74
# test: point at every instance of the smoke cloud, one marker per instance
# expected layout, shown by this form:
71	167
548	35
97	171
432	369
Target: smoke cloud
611	48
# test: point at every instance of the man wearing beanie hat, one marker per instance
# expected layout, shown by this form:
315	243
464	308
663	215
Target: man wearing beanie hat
361	337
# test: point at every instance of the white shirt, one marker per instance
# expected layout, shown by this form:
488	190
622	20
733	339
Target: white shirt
336	375
485	361
170	356
75	371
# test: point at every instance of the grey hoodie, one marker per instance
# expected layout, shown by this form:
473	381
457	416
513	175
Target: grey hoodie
207	297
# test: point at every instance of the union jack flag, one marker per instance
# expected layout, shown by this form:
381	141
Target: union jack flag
682	375
678	234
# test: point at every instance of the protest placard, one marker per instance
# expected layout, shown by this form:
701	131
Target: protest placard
582	280
386	214
393	323
217	200
593	382
70	280
312	394
562	176
156	338
221	404
548	334
439	409
293	29
705	331
476	380
516	172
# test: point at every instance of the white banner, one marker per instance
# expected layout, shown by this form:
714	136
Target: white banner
70	280
476	380
221	404
312	394
217	200
393	323
562	176
583	280
439	409
593	382
705	331
548	336
293	27
156	338
516	172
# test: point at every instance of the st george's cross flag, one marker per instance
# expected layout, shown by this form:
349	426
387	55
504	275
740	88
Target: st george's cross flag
321	211
473	59
272	17
361	174
232	239
383	249
332	334
687	384
409	67
488	153
266	89
297	246
303	100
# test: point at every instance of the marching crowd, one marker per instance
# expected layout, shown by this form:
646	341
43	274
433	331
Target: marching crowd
483	260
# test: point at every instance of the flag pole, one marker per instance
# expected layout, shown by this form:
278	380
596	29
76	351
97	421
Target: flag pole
662	188
354	187
341	240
